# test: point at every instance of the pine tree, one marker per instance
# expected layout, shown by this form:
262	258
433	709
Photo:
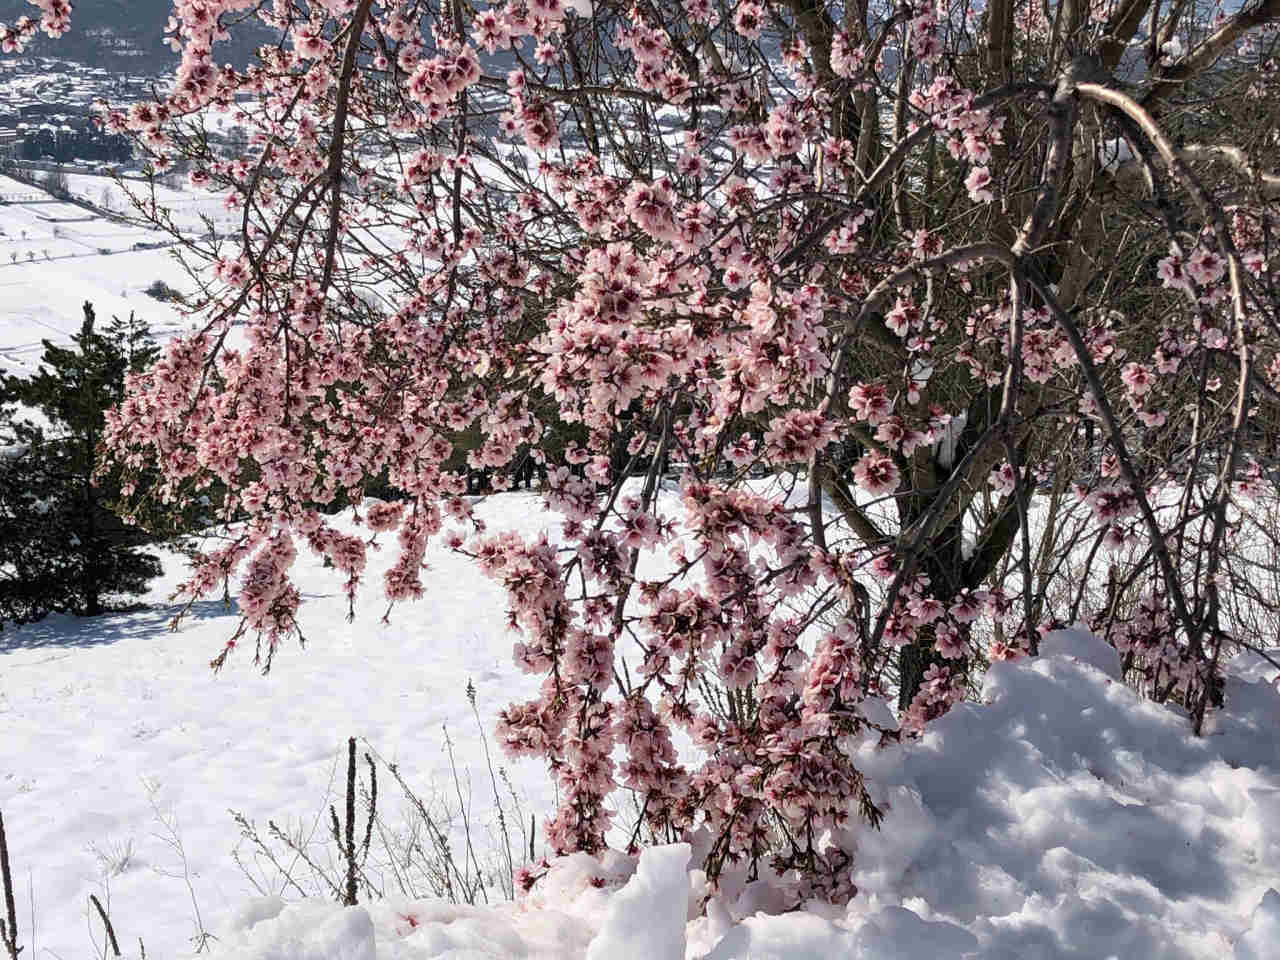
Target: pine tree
61	547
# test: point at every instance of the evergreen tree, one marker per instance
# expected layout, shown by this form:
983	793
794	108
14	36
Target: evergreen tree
61	547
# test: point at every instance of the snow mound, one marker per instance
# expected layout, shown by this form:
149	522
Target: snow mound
1081	646
399	929
307	931
892	933
1262	939
646	919
1067	818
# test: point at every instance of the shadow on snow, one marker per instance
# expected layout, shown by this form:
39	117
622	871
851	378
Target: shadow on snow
61	630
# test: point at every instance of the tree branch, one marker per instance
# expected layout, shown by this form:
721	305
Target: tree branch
895	159
1120	30
1211	48
1094	381
334	171
1268	184
862	524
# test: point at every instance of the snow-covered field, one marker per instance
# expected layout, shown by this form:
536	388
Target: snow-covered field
105	719
42	297
188	206
34	227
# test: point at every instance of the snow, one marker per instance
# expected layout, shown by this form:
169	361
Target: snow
1260	940
39	224
1171	51
1080	646
100	716
43	297
1113	153
950	440
1064	817
405	930
186	206
647	917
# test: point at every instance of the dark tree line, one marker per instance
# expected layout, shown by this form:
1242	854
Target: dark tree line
77	144
62	548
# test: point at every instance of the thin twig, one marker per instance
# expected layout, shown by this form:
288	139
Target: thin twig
9	926
106	922
373	808
350	849
333	173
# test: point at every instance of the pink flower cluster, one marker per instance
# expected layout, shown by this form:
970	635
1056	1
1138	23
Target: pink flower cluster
529	117
440	79
941	690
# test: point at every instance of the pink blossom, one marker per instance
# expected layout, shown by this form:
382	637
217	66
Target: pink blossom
1205	267
870	402
1138	378
748	20
877	474
1172	273
978	183
1002	479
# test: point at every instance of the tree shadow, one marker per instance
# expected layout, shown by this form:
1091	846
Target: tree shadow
62	630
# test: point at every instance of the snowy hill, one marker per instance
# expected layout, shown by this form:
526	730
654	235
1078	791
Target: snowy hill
54	256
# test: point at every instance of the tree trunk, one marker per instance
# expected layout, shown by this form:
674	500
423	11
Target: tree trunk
943	563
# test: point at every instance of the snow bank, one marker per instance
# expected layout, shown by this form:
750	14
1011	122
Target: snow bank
1068	818
1262	939
647	917
1061	819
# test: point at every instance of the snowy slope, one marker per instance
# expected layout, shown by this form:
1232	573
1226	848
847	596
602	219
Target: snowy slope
100	714
1063	818
42	297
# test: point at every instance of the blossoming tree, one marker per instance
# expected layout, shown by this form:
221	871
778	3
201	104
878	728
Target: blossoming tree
925	301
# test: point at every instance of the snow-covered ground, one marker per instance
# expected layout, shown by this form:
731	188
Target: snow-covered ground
42	297
35	227
1062	818
106	719
188	206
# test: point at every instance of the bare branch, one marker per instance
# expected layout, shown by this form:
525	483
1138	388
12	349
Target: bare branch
1090	373
1268	184
1122	28
1211	48
334	172
8	926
